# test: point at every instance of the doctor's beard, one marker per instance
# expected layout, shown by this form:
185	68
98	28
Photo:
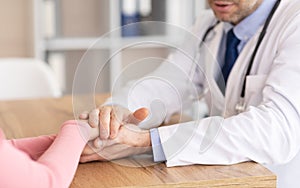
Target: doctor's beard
233	11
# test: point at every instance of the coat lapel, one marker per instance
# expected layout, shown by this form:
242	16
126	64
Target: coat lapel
210	51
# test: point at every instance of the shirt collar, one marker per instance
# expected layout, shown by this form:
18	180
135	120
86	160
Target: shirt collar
255	20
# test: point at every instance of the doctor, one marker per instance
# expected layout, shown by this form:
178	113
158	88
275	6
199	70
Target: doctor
253	98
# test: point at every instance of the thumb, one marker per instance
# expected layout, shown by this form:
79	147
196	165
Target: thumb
138	116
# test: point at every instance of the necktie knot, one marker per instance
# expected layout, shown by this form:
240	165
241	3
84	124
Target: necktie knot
232	41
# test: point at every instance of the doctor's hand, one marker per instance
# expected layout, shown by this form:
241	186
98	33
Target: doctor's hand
109	119
131	140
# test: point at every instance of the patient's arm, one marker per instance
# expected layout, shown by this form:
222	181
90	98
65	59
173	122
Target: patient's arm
54	168
34	146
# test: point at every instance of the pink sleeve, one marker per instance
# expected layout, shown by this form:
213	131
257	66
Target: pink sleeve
34	146
55	168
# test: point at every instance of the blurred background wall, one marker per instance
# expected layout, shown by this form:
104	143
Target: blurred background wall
60	31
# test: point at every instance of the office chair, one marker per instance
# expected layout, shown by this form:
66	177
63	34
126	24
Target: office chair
23	78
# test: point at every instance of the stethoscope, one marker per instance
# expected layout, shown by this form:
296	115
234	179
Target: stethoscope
241	106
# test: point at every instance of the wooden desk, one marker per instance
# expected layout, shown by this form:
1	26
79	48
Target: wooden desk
44	116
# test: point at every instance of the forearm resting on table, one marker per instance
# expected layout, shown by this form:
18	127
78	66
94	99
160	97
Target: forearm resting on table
54	168
34	146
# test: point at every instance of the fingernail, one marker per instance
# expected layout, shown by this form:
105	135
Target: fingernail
82	116
112	136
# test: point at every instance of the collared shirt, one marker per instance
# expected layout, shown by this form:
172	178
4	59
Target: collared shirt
243	32
255	20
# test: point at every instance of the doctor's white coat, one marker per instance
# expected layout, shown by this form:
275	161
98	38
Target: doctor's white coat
267	132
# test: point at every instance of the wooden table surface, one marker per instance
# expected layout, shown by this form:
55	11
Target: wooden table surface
25	118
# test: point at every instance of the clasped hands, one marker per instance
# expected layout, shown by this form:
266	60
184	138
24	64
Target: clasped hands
115	133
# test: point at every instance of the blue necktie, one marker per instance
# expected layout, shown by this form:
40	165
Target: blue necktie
231	54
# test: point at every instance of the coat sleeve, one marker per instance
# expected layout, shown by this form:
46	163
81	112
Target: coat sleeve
54	168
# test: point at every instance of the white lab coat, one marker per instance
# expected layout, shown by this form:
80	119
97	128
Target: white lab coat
267	132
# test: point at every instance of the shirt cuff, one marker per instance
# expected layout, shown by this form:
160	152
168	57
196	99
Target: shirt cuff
158	153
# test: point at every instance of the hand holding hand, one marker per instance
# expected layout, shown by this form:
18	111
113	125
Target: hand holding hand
109	119
131	140
93	131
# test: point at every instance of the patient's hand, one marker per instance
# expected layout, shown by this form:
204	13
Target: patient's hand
93	131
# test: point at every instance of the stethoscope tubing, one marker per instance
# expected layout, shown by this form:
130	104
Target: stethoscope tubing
260	39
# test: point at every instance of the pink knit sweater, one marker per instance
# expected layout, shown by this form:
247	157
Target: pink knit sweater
45	161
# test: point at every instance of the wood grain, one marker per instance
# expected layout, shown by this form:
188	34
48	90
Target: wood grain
110	174
27	118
